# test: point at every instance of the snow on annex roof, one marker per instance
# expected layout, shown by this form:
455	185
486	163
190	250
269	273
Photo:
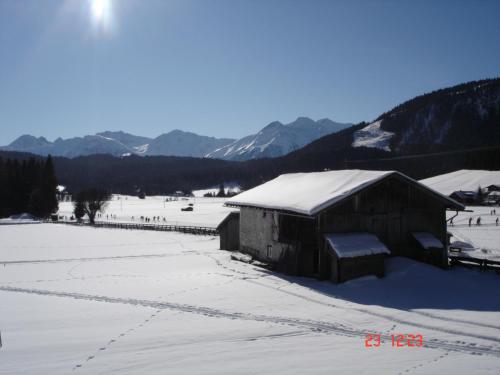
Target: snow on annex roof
464	179
310	193
352	245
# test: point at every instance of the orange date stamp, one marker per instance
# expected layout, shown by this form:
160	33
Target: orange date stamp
374	340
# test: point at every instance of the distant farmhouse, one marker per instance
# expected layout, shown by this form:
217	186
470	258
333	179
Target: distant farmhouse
465	197
339	225
463	185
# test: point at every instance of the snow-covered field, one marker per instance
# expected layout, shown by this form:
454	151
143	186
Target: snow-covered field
99	301
207	212
484	239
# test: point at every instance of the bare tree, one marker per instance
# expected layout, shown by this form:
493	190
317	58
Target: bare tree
91	201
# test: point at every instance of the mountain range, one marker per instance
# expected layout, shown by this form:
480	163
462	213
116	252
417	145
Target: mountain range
445	130
276	139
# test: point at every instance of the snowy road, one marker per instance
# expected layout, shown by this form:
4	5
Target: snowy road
95	301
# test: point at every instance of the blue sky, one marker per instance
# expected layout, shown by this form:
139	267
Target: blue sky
229	67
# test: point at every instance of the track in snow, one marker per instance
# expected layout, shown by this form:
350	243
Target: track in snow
118	257
392	318
311	325
253	279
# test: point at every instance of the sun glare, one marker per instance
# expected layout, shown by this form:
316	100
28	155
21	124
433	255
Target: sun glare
98	8
101	11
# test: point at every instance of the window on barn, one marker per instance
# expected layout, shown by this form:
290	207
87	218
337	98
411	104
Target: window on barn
269	251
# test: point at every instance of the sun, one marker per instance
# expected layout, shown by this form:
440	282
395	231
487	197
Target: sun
101	10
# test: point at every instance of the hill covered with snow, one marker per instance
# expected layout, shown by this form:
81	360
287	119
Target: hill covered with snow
465	179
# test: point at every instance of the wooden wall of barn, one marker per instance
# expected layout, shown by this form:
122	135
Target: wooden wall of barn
229	234
259	231
391	209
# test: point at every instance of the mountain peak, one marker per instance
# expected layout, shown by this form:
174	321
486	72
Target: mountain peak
28	141
272	126
276	139
303	119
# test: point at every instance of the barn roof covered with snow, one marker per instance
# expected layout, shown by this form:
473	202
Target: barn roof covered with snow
464	179
310	193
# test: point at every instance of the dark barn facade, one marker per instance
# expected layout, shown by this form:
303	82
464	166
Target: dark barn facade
229	232
286	221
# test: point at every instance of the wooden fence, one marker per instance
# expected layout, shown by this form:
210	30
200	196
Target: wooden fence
484	264
208	231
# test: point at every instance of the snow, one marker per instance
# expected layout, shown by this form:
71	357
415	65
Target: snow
373	136
478	241
23	218
99	301
464	179
143	149
427	240
351	245
309	193
207	212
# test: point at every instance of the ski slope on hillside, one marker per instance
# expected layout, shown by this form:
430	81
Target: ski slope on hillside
97	301
464	179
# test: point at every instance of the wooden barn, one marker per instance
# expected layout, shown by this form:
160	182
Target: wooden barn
341	224
229	232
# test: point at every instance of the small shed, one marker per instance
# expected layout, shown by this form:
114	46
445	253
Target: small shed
431	247
229	232
351	255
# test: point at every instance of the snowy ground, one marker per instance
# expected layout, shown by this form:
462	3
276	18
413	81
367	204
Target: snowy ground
484	239
206	211
209	212
99	301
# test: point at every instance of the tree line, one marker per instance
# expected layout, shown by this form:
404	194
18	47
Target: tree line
28	185
164	175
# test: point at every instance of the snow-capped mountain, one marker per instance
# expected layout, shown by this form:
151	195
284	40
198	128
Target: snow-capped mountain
174	143
274	140
277	139
137	143
454	118
181	143
28	143
457	118
77	146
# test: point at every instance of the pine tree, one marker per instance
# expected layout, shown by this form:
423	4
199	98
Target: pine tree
221	192
479	195
43	199
50	187
79	210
